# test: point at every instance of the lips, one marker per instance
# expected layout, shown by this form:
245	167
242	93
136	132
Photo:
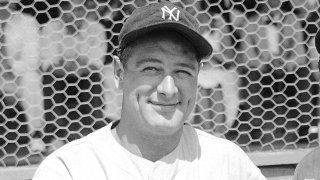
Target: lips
165	106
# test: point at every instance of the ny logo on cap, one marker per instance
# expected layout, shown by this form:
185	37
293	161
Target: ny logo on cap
165	10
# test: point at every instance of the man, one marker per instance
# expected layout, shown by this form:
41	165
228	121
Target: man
159	60
309	167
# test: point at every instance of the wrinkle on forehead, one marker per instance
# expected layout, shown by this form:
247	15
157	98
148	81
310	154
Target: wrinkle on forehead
166	50
185	46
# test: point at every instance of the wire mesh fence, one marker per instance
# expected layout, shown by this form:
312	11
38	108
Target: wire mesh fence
259	89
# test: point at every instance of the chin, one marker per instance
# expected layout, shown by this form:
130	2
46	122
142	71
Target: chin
165	123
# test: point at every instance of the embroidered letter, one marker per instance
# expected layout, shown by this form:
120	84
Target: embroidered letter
165	10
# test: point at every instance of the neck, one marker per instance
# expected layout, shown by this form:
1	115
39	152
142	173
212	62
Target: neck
149	146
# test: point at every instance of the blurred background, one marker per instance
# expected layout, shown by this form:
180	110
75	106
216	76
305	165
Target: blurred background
259	89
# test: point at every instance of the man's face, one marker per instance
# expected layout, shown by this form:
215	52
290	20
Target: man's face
159	84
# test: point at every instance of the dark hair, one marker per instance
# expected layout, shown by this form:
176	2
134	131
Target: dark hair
124	54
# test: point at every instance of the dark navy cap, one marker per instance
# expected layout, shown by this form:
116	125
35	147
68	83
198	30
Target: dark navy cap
164	16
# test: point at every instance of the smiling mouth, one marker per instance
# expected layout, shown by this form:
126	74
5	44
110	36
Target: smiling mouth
165	106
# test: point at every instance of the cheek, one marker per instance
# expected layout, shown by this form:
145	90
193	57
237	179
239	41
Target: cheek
189	88
188	92
139	93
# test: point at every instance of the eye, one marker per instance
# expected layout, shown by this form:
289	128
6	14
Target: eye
150	69
184	73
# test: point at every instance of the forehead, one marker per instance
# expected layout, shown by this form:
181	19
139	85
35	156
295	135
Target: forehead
163	45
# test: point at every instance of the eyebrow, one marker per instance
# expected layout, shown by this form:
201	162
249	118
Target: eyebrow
147	60
185	65
152	60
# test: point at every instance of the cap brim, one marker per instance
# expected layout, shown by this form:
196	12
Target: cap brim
202	46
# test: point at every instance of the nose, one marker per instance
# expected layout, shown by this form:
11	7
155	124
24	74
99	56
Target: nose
167	87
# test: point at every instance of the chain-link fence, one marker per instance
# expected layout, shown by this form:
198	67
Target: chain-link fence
259	89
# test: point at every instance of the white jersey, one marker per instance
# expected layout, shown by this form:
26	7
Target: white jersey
199	156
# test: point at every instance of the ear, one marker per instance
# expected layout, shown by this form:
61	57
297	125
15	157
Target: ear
200	66
118	72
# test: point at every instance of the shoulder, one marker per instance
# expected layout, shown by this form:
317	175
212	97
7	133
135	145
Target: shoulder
79	147
87	140
70	157
223	155
308	167
209	141
73	158
313	155
310	161
213	146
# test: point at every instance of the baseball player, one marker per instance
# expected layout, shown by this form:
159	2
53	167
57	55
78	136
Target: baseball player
160	55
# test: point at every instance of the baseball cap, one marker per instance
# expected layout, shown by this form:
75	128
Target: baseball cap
164	16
